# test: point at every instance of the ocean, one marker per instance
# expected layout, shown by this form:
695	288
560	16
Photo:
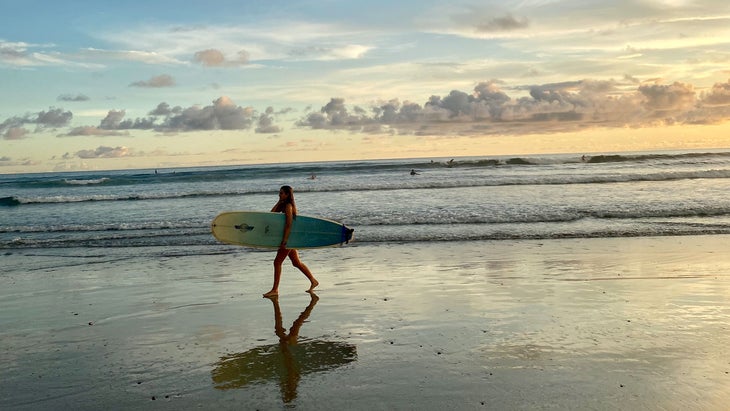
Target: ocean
477	198
533	282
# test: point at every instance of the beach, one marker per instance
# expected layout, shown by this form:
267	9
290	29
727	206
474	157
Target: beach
585	323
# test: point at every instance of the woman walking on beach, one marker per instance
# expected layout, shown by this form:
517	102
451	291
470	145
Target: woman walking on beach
287	206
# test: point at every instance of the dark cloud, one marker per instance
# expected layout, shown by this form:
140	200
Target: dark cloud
504	23
164	109
73	98
53	118
223	114
112	119
163	80
335	115
14	128
265	122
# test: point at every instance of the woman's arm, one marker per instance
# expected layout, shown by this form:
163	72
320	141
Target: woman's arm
289	214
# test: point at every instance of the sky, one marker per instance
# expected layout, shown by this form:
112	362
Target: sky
153	84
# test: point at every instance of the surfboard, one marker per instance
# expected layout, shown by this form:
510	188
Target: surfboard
265	230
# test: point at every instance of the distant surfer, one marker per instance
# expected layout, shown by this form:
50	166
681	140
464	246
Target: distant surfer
287	206
414	172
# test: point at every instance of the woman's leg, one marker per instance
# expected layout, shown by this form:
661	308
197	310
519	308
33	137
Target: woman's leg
280	257
294	257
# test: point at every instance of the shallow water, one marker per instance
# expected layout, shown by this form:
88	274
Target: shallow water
634	323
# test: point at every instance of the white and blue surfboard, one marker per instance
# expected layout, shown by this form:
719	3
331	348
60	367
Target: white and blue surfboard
265	230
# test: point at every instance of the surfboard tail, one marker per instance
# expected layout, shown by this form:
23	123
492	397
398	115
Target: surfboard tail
349	232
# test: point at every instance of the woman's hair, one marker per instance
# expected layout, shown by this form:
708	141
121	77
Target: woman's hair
289	199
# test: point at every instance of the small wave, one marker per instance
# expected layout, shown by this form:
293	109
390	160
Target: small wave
140	227
9	201
403	222
618	158
86	182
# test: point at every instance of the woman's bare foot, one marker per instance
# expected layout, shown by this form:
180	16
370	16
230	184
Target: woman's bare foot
272	293
313	284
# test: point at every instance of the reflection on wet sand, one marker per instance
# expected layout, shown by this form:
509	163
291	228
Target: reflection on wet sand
285	362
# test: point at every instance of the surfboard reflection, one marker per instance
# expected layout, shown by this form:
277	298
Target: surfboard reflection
285	362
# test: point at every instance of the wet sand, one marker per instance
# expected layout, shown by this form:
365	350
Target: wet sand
625	323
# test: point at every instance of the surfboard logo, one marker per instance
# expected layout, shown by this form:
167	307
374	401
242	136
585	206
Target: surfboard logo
245	227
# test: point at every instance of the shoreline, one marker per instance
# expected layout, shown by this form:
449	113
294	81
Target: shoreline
600	323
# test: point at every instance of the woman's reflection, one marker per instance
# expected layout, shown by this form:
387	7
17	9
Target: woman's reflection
284	362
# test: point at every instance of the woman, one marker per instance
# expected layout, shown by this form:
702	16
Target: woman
287	206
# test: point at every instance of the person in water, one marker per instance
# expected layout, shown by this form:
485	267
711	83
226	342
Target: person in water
287	206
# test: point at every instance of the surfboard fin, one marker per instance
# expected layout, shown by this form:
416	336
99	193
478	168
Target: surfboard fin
348	234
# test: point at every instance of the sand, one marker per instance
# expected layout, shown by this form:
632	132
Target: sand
624	323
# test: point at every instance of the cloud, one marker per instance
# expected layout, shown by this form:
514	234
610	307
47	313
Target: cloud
565	106
163	80
325	53
6	161
486	109
103	152
19	54
335	115
13	128
719	95
73	98
223	114
14	53
500	24
145	57
265	122
164	109
667	98
54	117
92	131
216	58
15	133
234	45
